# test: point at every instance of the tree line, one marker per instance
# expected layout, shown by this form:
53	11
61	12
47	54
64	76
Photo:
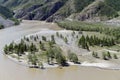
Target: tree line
96	27
52	52
86	41
105	55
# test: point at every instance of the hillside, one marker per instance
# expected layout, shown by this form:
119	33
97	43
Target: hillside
6	17
97	11
55	10
5	12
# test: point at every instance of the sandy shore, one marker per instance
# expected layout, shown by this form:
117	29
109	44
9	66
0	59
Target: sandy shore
48	33
101	65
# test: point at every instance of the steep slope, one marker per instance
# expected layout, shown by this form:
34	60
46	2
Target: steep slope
97	11
70	7
55	10
16	4
114	4
19	4
39	12
5	12
49	10
6	17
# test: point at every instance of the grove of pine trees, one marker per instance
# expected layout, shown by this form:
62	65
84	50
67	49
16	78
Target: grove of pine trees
86	41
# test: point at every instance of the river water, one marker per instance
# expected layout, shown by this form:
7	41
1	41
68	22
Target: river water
10	70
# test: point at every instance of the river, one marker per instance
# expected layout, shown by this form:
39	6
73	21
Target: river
10	70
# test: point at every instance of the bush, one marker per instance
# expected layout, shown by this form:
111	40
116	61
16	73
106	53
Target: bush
43	38
104	56
115	56
1	26
17	22
73	57
95	54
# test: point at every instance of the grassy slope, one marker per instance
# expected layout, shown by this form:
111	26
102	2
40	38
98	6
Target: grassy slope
96	9
95	27
114	4
5	12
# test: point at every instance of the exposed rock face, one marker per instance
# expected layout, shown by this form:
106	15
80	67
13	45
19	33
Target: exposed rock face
28	11
63	12
39	12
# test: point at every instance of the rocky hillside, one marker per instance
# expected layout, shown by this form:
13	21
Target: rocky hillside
97	11
6	17
55	10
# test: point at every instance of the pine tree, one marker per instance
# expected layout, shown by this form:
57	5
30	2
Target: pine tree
87	47
109	55
44	38
53	39
6	49
115	56
73	57
42	47
66	40
104	56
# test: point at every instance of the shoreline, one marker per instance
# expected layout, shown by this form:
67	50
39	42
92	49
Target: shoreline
47	66
100	65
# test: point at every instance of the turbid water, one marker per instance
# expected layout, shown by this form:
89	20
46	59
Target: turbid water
10	70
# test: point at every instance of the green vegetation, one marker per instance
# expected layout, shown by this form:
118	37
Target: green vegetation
114	4
93	27
32	58
82	42
21	3
17	22
61	59
115	56
44	38
66	40
80	26
107	11
64	8
1	26
95	54
85	42
105	55
81	4
37	54
5	12
73	57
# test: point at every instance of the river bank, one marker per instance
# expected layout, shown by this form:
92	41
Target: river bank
71	44
9	70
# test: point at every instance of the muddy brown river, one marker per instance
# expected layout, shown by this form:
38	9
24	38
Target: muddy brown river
10	70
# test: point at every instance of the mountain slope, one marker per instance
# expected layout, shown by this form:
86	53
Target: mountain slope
39	12
6	17
70	7
55	10
114	4
98	11
5	12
